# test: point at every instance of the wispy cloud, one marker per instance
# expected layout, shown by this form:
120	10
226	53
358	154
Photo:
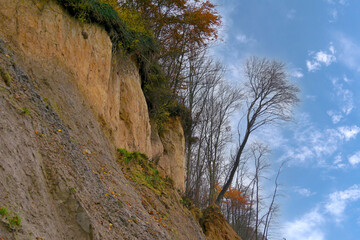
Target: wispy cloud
307	227
271	136
345	95
291	14
304	191
341	2
296	73
243	38
344	98
346	79
336	9
333	15
338	201
335	116
314	144
311	225
349	52
321	58
338	162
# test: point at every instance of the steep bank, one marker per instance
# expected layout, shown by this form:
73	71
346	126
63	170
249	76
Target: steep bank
62	178
68	104
53	46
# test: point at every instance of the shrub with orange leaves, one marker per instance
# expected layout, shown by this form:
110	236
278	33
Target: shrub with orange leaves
233	197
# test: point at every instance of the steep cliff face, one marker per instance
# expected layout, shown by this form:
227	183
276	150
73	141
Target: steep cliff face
66	103
171	162
53	46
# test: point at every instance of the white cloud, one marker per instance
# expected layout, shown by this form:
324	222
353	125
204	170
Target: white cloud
349	132
332	49
346	79
312	66
354	159
338	201
338	162
316	145
303	191
313	144
334	15
311	97
307	227
271	136
330	1
335	117
341	2
310	226
325	58
296	73
345	95
338	159
321	58
242	38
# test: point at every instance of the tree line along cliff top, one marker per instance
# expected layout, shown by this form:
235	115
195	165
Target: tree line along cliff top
161	35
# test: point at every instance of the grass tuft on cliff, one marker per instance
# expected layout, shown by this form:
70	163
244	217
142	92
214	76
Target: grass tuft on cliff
137	168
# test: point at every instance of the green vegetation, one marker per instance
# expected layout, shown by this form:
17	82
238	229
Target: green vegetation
73	190
188	203
137	167
6	76
128	156
3	212
25	111
100	12
15	221
128	31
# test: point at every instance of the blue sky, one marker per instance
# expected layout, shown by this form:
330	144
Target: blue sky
319	40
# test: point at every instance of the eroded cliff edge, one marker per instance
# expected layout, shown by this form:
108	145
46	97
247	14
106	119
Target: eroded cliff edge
69	104
53	46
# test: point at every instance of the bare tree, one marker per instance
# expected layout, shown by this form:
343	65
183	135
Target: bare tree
211	101
222	102
254	221
258	151
270	98
203	75
272	207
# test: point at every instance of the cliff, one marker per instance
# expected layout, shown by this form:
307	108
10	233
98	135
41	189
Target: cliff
79	158
67	102
53	47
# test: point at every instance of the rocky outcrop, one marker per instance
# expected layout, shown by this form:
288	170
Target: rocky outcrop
59	173
53	46
66	103
172	162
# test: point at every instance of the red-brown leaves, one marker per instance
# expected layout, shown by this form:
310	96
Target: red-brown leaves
233	196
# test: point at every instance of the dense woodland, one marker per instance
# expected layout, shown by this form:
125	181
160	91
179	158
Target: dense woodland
171	41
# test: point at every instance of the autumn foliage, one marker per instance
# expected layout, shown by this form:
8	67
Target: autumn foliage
233	197
180	26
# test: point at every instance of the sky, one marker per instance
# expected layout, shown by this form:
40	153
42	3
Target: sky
319	40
